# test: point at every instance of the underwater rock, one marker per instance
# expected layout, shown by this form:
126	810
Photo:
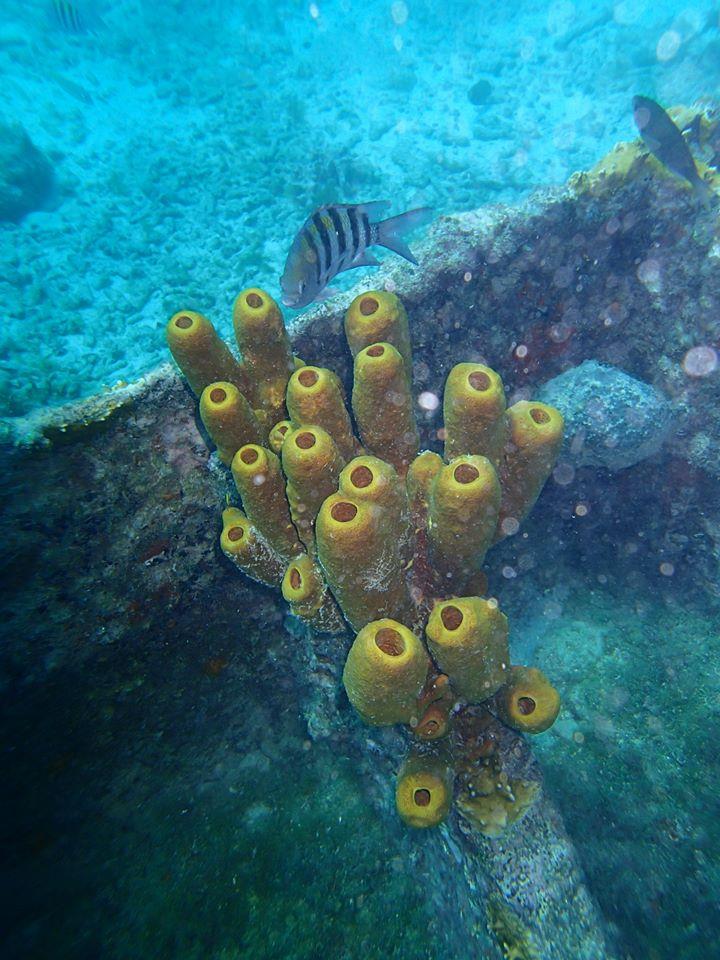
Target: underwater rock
612	420
26	175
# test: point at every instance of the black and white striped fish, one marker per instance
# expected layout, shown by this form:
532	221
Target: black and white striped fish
76	16
335	238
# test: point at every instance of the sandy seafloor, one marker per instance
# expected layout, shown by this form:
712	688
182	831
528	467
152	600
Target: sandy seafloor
190	140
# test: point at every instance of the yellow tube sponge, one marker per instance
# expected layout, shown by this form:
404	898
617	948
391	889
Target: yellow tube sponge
261	485
462	517
379	316
474	412
277	435
261	335
375	481
200	353
312	465
419	480
384	672
307	594
423	794
529	702
534	440
314	397
241	543
383	406
468	639
360	556
228	418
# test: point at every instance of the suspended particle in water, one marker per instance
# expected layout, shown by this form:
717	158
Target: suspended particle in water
649	273
700	361
581	510
399	13
509	526
521	351
428	401
314	11
509	572
467	276
668	45
667	569
564	474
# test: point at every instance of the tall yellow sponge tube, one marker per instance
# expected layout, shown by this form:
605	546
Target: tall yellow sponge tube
314	397
312	464
468	639
263	341
241	542
228	418
385	671
201	355
474	412
261	485
534	439
360	557
379	316
383	405
463	514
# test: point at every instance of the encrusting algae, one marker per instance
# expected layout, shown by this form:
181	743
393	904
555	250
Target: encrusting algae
372	533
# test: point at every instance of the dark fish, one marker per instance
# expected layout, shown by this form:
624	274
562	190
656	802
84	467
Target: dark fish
664	140
336	238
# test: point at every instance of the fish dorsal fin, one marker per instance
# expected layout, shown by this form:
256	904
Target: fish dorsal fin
373	209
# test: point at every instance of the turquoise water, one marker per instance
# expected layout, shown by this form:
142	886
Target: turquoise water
189	142
171	789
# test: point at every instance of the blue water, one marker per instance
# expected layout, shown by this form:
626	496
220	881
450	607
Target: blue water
190	140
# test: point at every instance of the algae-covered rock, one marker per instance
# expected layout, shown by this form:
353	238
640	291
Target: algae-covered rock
612	420
26	175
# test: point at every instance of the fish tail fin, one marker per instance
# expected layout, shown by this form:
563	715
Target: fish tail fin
703	192
389	233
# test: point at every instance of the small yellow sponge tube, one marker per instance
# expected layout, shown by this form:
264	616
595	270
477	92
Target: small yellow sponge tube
360	556
375	481
307	594
241	543
420	476
529	702
261	485
383	406
468	639
379	316
474	412
200	353
314	398
277	435
462	518
423	794
261	335
385	671
228	418
312	465
534	441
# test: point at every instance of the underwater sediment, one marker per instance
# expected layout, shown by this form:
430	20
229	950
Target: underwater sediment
140	525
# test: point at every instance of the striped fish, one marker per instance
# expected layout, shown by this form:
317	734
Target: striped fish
76	16
335	238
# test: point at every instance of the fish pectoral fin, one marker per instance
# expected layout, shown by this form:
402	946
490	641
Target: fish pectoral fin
365	259
326	293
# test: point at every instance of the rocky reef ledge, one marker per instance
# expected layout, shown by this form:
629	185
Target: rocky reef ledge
111	532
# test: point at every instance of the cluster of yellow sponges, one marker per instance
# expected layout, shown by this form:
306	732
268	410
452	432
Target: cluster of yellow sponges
369	531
